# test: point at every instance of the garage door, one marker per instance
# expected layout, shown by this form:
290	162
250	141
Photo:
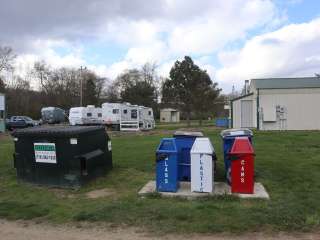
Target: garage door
246	114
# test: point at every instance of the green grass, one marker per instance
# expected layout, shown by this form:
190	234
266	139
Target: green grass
287	163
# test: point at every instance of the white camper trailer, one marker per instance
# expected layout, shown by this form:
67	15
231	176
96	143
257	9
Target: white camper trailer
146	118
111	114
127	117
98	112
85	115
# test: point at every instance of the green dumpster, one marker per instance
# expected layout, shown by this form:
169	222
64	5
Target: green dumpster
62	156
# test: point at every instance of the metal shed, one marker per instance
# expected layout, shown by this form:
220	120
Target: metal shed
278	104
169	115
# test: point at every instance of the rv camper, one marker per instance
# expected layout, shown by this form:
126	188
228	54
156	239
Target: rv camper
127	117
111	115
146	118
89	115
52	115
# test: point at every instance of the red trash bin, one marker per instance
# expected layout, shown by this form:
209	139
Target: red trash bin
242	166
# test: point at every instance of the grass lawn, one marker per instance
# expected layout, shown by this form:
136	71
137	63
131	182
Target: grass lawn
287	163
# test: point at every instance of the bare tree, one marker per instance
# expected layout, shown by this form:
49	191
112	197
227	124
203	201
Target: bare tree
6	58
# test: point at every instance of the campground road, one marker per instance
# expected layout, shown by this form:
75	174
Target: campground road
29	230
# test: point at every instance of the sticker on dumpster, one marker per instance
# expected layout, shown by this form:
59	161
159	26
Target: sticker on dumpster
45	152
201	173
109	146
242	175
166	173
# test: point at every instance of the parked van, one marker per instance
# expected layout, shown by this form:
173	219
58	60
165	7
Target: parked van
52	115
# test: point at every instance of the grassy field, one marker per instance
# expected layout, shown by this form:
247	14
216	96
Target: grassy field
287	163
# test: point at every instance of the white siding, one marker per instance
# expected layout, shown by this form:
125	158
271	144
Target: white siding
302	108
236	111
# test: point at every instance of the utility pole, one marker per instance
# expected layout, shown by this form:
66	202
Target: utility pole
81	85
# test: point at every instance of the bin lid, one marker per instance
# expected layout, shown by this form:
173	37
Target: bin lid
202	145
167	145
241	145
188	134
55	131
236	132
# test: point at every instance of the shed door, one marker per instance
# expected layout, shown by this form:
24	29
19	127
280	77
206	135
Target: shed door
246	114
173	116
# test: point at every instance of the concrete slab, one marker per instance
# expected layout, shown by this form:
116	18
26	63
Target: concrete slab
220	188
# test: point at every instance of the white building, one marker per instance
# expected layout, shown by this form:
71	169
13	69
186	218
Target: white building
169	115
279	104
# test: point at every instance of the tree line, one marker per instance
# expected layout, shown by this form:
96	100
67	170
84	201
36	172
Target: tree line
188	88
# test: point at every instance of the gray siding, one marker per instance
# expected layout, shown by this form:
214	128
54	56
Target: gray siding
301	107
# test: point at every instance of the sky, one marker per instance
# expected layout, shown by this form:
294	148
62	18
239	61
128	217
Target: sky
233	40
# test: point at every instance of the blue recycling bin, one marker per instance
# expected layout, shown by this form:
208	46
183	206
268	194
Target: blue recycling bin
184	142
167	166
222	122
228	137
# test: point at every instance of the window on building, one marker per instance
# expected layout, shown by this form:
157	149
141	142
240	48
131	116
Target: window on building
89	114
99	115
125	111
134	114
115	111
1	114
149	113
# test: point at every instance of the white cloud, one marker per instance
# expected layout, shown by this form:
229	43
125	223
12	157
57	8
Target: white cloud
158	32
293	50
222	23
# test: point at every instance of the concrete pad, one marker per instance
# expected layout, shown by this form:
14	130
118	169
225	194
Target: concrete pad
220	188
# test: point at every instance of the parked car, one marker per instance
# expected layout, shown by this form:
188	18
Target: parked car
20	122
52	115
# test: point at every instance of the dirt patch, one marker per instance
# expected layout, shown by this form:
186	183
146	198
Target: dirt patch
4	136
140	133
62	193
67	193
25	230
105	192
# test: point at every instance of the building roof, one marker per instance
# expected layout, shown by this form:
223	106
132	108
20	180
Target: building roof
168	110
285	83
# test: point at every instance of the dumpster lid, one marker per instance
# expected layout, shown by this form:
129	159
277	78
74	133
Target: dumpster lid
167	145
241	145
202	145
55	130
236	132
188	134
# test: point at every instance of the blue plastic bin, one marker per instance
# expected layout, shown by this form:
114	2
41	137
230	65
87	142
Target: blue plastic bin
222	122
184	142
228	137
167	166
